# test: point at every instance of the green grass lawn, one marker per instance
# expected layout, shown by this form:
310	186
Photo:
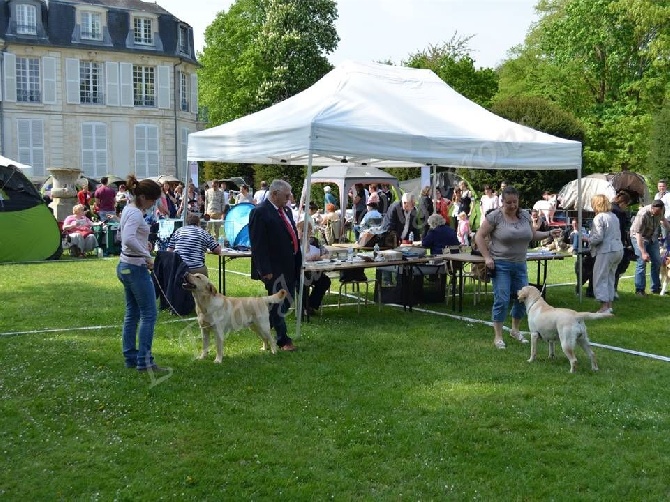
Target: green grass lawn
376	405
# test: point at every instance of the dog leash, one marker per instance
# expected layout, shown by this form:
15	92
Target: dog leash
173	310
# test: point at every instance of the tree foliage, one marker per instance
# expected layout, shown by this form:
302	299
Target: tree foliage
451	62
261	52
542	115
659	148
607	61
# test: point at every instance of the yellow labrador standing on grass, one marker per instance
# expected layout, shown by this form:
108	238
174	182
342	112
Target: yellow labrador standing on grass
225	314
549	323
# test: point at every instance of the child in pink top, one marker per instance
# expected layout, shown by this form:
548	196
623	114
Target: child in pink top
463	231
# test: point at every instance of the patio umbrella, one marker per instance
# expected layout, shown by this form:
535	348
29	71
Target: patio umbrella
632	183
113	178
162	178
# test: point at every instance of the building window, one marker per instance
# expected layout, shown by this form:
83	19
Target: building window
183	39
31	144
94	149
144	35
90	83
28	80
144	89
91	26
183	91
146	151
26	19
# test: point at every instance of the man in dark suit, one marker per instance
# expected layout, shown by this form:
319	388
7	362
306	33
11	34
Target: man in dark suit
403	218
275	253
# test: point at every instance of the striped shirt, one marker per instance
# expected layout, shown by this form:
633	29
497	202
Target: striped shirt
190	243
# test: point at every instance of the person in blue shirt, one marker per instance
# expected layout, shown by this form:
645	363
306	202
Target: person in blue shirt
190	243
328	197
439	235
371	218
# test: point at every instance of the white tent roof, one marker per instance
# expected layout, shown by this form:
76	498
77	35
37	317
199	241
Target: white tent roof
391	116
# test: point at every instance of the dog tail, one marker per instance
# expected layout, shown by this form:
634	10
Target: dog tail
278	297
585	316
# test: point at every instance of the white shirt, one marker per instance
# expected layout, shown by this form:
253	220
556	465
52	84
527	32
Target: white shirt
666	201
260	196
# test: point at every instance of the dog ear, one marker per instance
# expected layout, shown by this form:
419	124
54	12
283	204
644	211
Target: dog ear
211	288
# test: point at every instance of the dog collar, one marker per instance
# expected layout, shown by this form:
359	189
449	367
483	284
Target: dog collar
534	302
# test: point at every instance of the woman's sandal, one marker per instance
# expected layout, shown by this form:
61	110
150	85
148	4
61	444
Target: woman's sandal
500	344
518	336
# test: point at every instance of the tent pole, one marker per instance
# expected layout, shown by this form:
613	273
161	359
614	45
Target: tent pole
305	247
579	229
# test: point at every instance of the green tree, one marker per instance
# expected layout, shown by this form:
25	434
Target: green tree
659	146
608	61
451	62
542	115
261	52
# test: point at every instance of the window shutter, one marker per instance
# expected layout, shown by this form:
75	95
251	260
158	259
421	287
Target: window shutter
37	138
87	160
126	74
112	74
140	151
49	81
163	86
72	79
152	150
24	142
194	93
10	76
101	149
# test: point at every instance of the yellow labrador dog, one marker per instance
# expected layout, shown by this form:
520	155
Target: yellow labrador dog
225	314
665	273
550	323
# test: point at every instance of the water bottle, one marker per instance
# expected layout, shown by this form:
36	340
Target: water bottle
376	251
101	254
222	242
350	255
411	237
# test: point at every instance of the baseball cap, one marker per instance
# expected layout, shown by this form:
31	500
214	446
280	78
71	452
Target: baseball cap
326	188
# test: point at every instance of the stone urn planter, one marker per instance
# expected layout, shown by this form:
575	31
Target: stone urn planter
64	191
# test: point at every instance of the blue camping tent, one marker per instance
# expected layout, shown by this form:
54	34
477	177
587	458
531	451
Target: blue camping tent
236	225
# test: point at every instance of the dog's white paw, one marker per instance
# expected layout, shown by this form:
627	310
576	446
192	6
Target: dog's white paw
218	360
202	356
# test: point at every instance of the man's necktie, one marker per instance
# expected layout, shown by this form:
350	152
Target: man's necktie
289	228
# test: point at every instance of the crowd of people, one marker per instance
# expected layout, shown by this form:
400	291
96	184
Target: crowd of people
503	238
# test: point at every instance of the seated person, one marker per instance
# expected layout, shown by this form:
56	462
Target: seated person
331	224
79	229
190	243
439	235
371	214
574	237
318	281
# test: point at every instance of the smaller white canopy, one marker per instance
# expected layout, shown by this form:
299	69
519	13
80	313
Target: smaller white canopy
346	176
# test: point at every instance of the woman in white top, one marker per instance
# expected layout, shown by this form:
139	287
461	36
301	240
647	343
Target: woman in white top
606	246
489	201
133	271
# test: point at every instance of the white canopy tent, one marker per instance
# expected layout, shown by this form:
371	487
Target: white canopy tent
346	176
387	116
